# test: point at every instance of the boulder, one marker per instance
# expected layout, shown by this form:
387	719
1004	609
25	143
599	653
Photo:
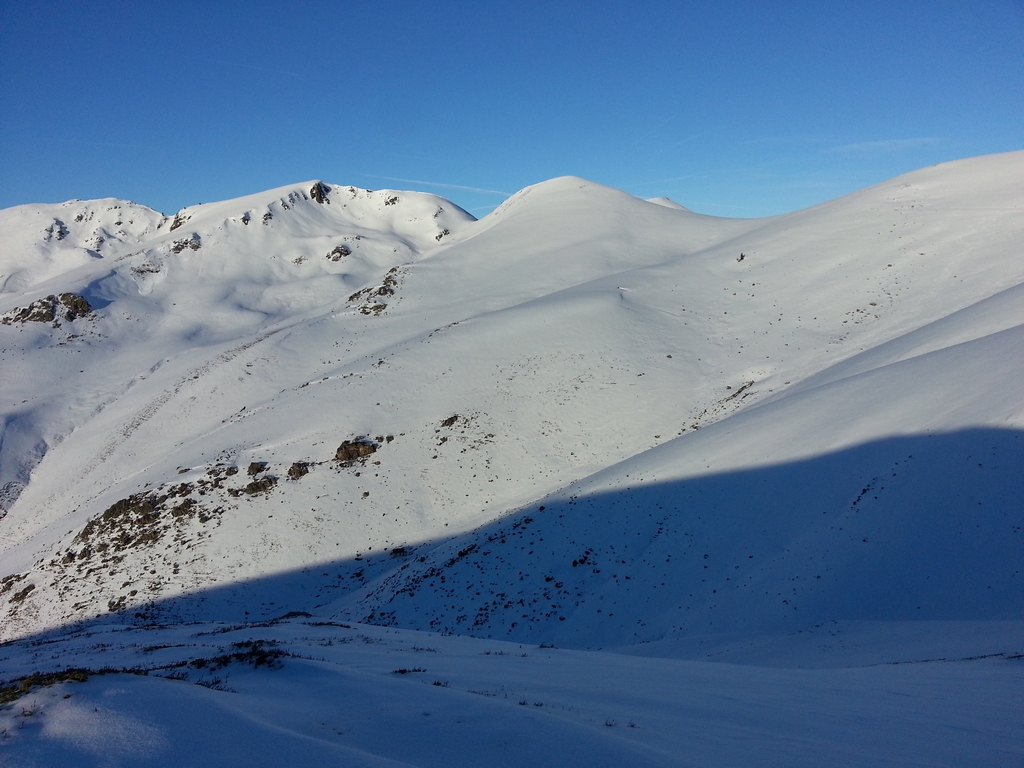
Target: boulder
355	450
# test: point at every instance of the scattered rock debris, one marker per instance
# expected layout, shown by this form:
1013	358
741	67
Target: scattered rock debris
21	594
371	297
132	522
145	268
192	242
56	231
7	583
743	388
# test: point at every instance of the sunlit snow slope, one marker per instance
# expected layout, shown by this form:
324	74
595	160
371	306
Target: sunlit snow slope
586	418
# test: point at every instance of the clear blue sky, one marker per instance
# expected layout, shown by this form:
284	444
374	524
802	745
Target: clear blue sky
731	108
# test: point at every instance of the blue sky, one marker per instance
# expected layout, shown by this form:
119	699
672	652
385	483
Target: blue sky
729	108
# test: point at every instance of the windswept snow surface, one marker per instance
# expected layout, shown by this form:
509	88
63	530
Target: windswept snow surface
587	421
351	695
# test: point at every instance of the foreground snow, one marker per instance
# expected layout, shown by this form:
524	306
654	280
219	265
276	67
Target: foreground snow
339	696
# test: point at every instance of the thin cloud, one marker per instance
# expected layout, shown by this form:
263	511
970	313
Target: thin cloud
701	175
687	139
675	178
884	146
439	184
785	140
653	130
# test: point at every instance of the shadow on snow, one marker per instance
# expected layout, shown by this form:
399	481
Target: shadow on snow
906	528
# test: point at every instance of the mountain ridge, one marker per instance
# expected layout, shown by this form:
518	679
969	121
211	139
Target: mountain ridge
561	337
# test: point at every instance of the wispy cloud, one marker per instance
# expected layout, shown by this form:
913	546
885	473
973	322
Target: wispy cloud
785	140
653	130
884	146
439	185
674	178
688	139
757	171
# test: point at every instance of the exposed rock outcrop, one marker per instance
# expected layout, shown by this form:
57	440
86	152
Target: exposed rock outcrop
339	252
355	450
66	306
319	192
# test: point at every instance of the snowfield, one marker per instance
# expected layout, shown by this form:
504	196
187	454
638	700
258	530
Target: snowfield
633	485
353	695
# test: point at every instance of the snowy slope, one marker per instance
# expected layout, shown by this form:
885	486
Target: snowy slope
44	241
585	420
272	271
574	328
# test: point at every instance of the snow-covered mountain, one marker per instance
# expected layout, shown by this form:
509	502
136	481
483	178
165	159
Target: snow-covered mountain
587	419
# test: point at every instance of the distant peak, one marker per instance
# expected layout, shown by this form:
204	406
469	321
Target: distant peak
667	203
565	182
